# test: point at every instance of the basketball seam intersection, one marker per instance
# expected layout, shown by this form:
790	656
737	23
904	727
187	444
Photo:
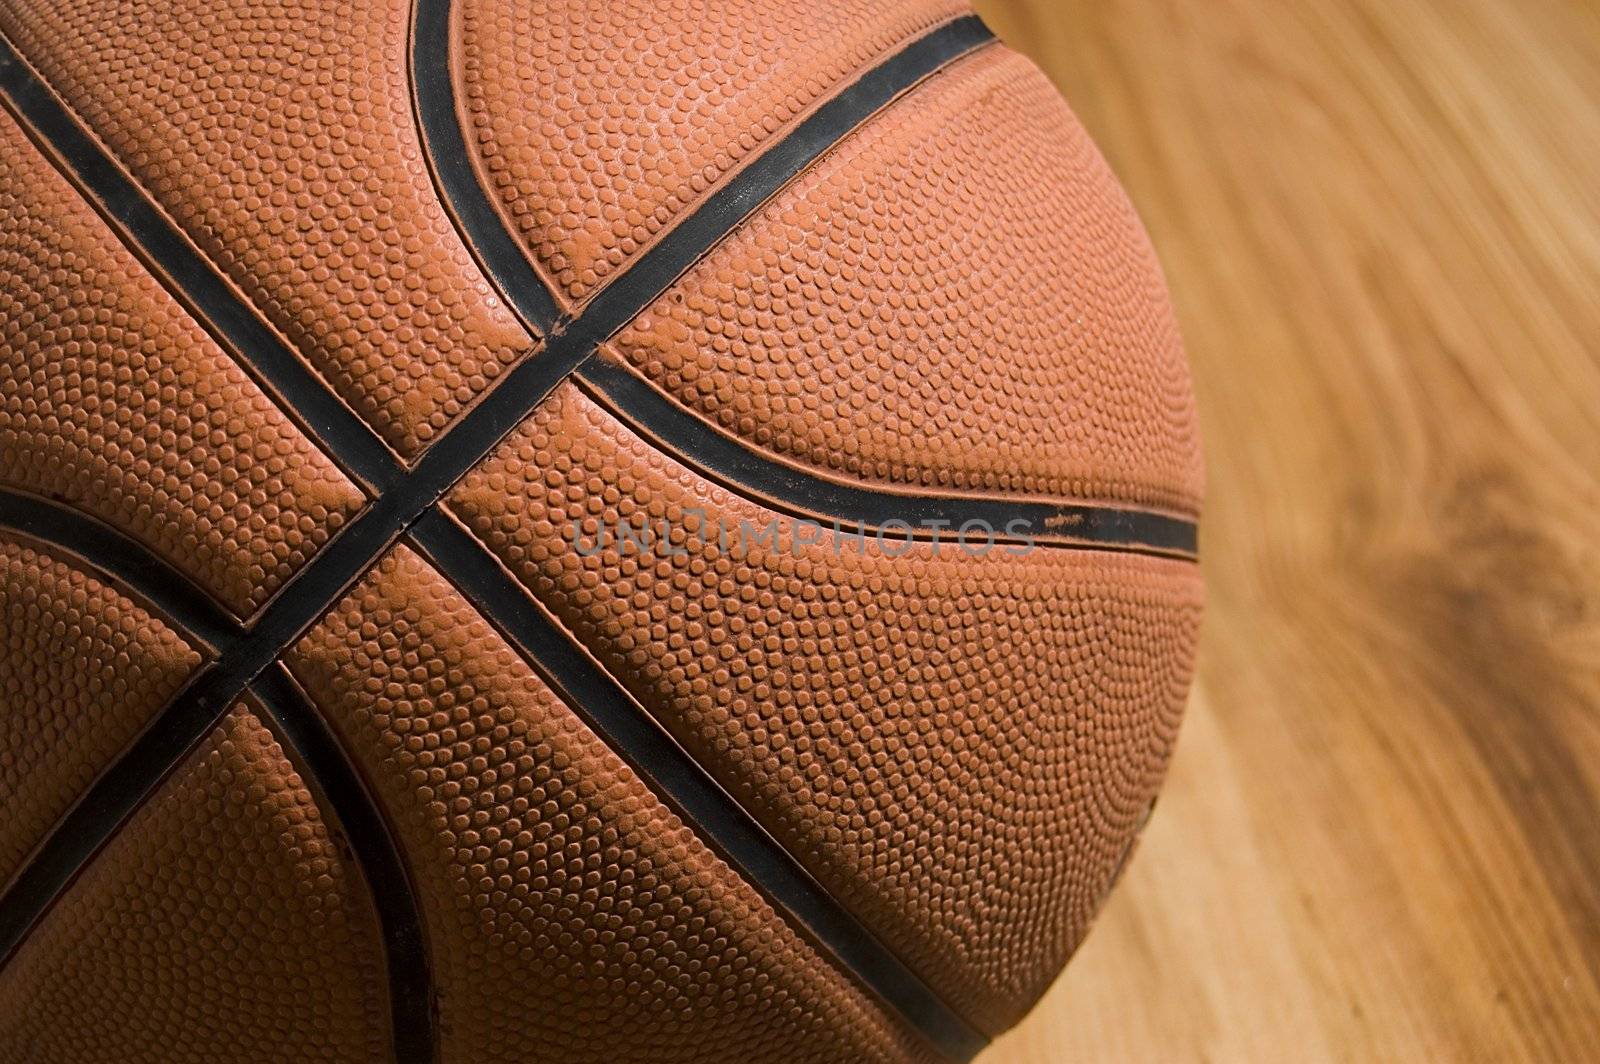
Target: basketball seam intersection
405	498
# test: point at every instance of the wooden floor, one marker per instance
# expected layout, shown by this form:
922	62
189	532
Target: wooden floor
1381	836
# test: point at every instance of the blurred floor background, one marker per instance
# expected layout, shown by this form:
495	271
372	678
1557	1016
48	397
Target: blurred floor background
1381	835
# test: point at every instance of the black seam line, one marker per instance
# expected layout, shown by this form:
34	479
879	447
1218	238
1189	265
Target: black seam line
175	598
527	383
208	297
719	214
90	823
444	143
726	209
606	707
705	448
193	711
388	881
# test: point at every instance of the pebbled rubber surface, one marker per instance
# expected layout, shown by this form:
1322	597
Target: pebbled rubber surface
598	125
368	841
279	135
82	669
114	400
900	314
673	775
867	261
898	719
222	926
132	567
854	504
563	900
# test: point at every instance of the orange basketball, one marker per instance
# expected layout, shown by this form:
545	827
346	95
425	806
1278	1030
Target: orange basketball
595	531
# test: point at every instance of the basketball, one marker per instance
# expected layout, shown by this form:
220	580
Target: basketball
568	531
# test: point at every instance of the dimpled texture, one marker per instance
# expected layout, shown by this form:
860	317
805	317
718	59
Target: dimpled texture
221	926
955	298
960	748
599	124
279	135
570	915
82	670
115	401
959	297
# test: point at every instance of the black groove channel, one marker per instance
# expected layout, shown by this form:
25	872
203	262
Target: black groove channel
192	713
193	280
194	613
724	210
498	252
405	950
989	520
173	595
631	731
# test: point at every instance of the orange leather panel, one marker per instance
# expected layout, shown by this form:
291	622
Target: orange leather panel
562	899
958	297
598	125
960	748
221	926
280	136
83	669
114	400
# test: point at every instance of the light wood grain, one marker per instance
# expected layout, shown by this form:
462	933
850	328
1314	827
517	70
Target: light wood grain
1381	835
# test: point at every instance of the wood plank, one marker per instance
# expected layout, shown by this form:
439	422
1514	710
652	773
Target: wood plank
1381	836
